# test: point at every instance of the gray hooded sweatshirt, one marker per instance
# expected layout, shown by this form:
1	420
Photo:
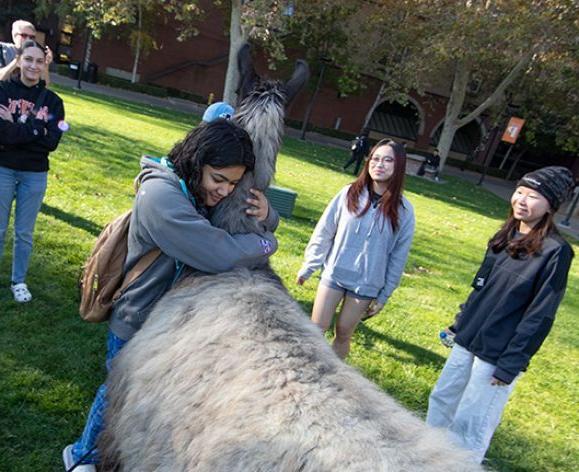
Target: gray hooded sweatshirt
360	253
164	217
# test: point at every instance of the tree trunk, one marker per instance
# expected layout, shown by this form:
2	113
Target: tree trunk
139	39
85	57
377	101
237	36
453	109
87	52
312	100
456	102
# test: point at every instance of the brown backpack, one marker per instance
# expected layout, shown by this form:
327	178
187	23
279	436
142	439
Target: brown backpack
102	281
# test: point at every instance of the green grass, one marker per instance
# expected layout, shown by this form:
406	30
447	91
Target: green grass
51	362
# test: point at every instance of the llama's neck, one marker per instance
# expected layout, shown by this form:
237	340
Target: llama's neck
262	116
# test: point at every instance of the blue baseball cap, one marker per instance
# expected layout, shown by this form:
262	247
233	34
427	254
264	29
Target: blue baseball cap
218	110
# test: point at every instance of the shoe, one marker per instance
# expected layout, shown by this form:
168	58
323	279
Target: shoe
21	293
69	462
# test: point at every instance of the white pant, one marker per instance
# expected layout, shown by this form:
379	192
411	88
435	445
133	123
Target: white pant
464	401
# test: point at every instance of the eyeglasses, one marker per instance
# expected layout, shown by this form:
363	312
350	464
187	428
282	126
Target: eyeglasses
375	160
26	36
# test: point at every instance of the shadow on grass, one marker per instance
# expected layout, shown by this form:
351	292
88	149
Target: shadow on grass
368	337
455	192
70	219
111	154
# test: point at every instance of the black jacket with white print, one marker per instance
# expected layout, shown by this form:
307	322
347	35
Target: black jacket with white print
26	142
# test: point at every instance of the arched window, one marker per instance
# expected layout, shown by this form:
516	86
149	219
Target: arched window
396	120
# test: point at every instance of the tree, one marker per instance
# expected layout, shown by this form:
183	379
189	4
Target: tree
318	27
238	34
386	40
97	16
501	44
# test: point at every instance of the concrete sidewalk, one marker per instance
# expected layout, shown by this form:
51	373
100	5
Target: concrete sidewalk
502	188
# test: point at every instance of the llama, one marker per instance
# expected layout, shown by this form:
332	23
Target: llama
261	112
229	375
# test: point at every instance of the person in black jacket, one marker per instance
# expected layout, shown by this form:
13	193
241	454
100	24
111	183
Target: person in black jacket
31	119
508	315
360	148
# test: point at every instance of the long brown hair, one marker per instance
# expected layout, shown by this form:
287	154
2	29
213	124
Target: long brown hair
390	200
527	245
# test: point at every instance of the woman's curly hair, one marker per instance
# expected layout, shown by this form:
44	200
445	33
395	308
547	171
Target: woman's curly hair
219	144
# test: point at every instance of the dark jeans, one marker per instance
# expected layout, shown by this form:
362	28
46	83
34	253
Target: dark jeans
358	158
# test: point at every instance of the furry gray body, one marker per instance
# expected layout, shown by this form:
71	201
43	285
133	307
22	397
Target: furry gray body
228	374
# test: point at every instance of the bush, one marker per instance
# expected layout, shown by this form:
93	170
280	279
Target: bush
127	85
334	133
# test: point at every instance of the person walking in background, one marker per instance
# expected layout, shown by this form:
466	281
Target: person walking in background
360	147
21	31
362	243
31	118
508	315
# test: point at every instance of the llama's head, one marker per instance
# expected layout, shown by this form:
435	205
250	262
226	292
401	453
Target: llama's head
261	111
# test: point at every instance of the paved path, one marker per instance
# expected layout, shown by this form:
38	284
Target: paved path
502	188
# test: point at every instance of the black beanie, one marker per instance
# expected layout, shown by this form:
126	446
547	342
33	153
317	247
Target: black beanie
555	183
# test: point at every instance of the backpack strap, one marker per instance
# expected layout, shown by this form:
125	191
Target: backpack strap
141	266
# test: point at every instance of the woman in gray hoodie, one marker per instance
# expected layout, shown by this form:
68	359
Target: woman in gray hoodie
176	195
361	243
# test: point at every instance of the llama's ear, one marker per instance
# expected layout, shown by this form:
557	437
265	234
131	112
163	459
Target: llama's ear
299	78
247	75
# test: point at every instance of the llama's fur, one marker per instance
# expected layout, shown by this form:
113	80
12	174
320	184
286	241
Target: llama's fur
228	374
261	113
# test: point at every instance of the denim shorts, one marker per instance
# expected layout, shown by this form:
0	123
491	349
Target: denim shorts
345	291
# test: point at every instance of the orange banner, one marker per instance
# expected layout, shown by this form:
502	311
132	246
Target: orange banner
513	129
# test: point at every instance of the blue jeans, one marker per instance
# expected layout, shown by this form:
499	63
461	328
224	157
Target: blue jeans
86	444
464	401
28	189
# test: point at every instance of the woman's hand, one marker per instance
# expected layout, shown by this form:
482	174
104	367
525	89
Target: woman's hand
374	308
497	382
259	205
300	280
5	114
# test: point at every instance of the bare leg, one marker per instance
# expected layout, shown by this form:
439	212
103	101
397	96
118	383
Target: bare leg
325	304
350	316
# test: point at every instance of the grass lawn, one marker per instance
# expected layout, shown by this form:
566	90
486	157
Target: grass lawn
51	362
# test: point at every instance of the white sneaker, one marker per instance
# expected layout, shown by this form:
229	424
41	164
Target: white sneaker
69	462
21	293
